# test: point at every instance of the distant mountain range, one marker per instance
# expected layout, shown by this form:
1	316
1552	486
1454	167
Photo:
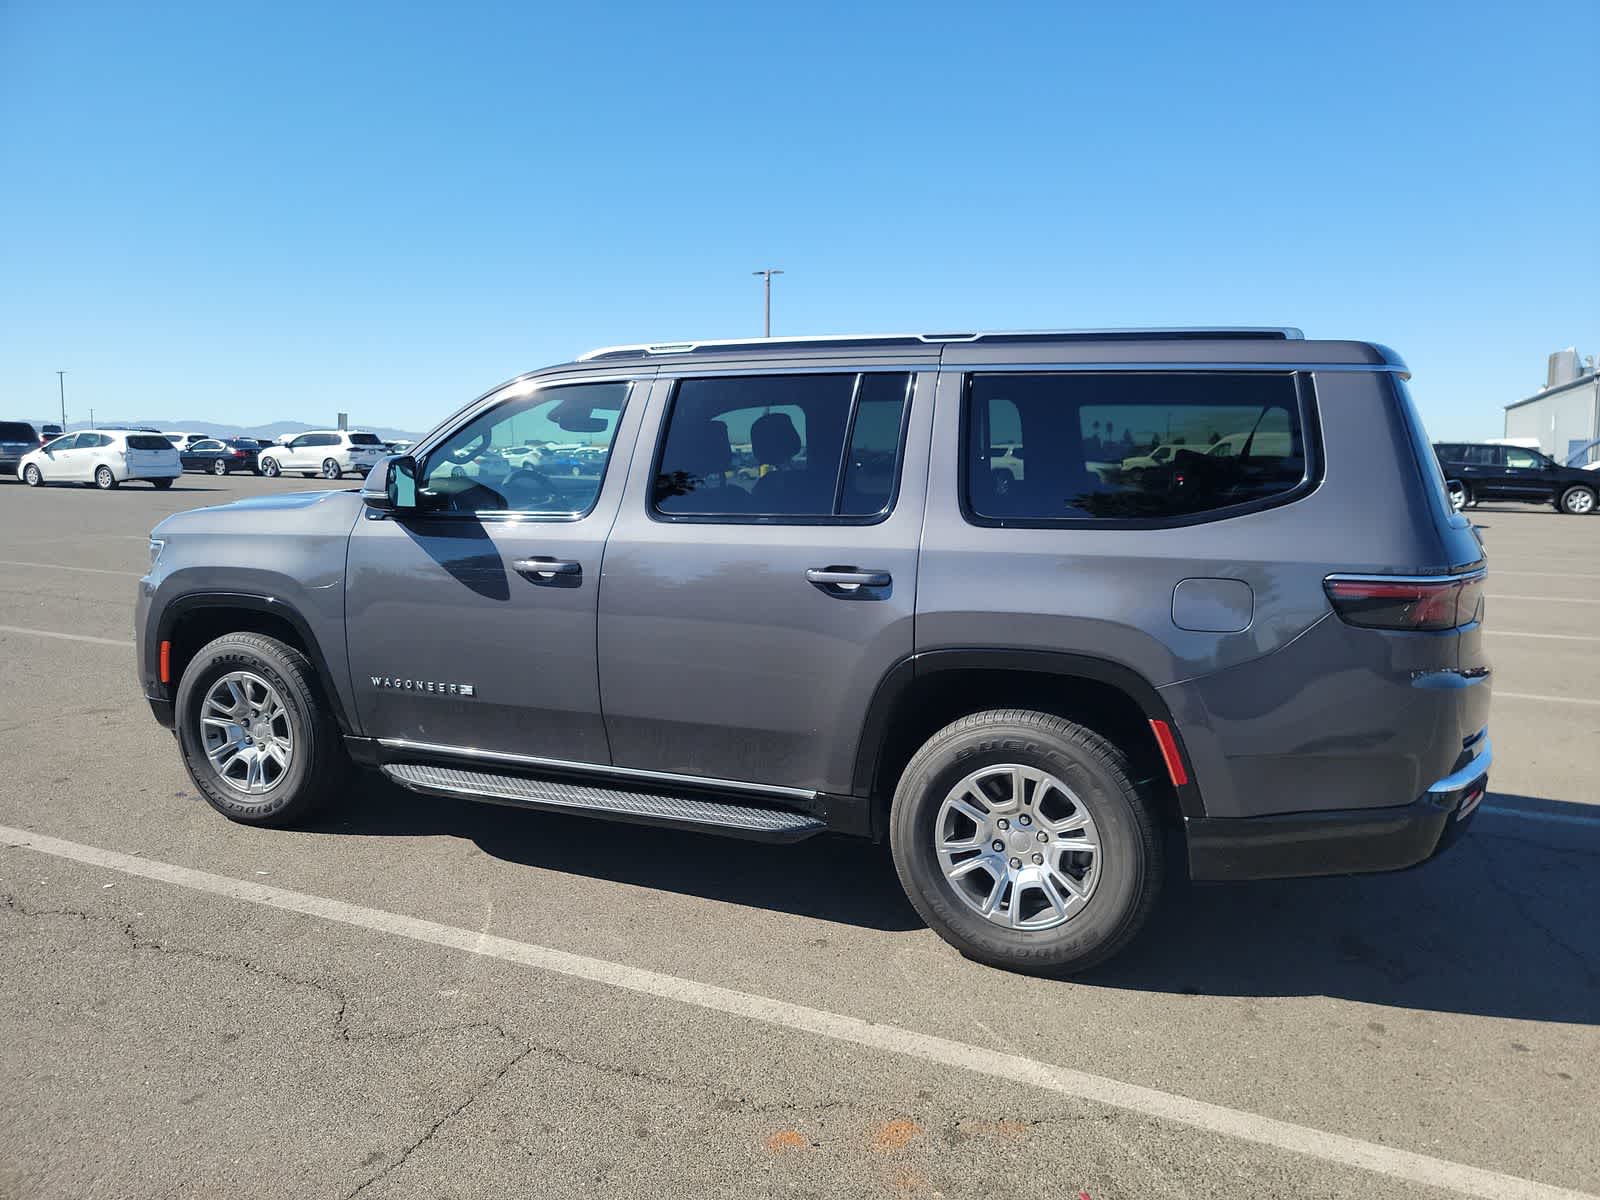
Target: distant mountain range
212	429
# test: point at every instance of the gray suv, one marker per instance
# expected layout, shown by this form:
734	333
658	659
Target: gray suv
936	589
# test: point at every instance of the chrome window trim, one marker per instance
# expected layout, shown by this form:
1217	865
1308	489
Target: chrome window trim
1166	368
559	764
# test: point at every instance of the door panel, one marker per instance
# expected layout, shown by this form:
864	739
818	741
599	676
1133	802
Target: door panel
719	658
455	638
71	463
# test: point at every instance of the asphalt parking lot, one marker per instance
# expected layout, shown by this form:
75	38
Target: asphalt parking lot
424	997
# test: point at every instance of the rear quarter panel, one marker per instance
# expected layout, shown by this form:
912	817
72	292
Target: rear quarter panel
1258	709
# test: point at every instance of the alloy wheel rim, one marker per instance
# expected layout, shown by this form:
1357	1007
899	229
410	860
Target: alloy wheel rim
245	731
1581	502
1458	498
219	467
1018	847
103	476
330	469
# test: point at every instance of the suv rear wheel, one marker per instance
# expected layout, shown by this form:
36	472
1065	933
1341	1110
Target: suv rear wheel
330	469
257	738
1022	841
1577	500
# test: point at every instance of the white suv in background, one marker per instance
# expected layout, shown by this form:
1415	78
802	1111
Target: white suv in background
103	457
330	453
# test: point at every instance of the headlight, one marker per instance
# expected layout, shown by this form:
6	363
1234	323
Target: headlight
157	545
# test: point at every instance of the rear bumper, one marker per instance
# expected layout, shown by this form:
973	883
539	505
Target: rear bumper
1341	841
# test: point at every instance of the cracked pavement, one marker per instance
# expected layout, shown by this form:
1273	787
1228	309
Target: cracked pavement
166	1043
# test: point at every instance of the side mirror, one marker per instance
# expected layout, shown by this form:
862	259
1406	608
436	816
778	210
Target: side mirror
391	485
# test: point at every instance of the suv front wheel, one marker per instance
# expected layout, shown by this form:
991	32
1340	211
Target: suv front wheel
1022	840
256	735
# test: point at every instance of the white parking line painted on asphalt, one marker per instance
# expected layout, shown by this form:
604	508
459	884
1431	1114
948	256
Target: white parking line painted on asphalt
1499	695
70	637
1553	599
1522	814
1558	637
1013	1068
11	562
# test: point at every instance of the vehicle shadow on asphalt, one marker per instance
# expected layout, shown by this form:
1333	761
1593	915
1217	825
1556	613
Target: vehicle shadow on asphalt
1503	924
846	880
1506	924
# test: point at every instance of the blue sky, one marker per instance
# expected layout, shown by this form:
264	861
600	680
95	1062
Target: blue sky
264	212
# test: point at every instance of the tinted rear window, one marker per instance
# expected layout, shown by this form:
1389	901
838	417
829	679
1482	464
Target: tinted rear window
148	441
1129	445
776	447
17	431
365	439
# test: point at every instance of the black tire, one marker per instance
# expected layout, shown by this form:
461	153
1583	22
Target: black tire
104	479
1460	496
1577	500
219	467
330	469
319	767
1131	861
161	485
269	467
32	476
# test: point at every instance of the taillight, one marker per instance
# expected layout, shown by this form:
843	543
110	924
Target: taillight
1374	602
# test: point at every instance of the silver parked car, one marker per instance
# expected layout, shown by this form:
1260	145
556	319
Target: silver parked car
1035	680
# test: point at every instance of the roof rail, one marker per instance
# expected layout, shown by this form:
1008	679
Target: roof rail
1285	333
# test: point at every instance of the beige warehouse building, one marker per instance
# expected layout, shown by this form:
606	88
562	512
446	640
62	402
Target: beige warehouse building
1564	415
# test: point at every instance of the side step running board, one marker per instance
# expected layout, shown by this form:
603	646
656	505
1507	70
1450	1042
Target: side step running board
644	808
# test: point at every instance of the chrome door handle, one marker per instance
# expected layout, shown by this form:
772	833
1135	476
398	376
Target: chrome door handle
546	568
847	579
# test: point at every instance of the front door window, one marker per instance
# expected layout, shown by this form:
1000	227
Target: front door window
543	454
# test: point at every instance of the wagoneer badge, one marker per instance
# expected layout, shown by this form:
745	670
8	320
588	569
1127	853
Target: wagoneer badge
424	685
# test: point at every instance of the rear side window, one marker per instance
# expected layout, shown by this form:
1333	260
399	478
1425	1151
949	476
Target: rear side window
783	447
1129	446
16	431
143	441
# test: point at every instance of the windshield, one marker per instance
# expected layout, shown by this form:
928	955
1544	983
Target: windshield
364	439
148	441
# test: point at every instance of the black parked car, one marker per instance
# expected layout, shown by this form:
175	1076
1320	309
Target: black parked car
16	439
1479	471
221	457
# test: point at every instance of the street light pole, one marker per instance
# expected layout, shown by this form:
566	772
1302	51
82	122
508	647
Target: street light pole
767	273
61	381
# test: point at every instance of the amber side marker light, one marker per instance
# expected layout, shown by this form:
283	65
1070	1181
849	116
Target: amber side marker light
166	662
1169	752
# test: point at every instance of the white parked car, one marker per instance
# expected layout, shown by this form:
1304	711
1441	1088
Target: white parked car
331	453
103	457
